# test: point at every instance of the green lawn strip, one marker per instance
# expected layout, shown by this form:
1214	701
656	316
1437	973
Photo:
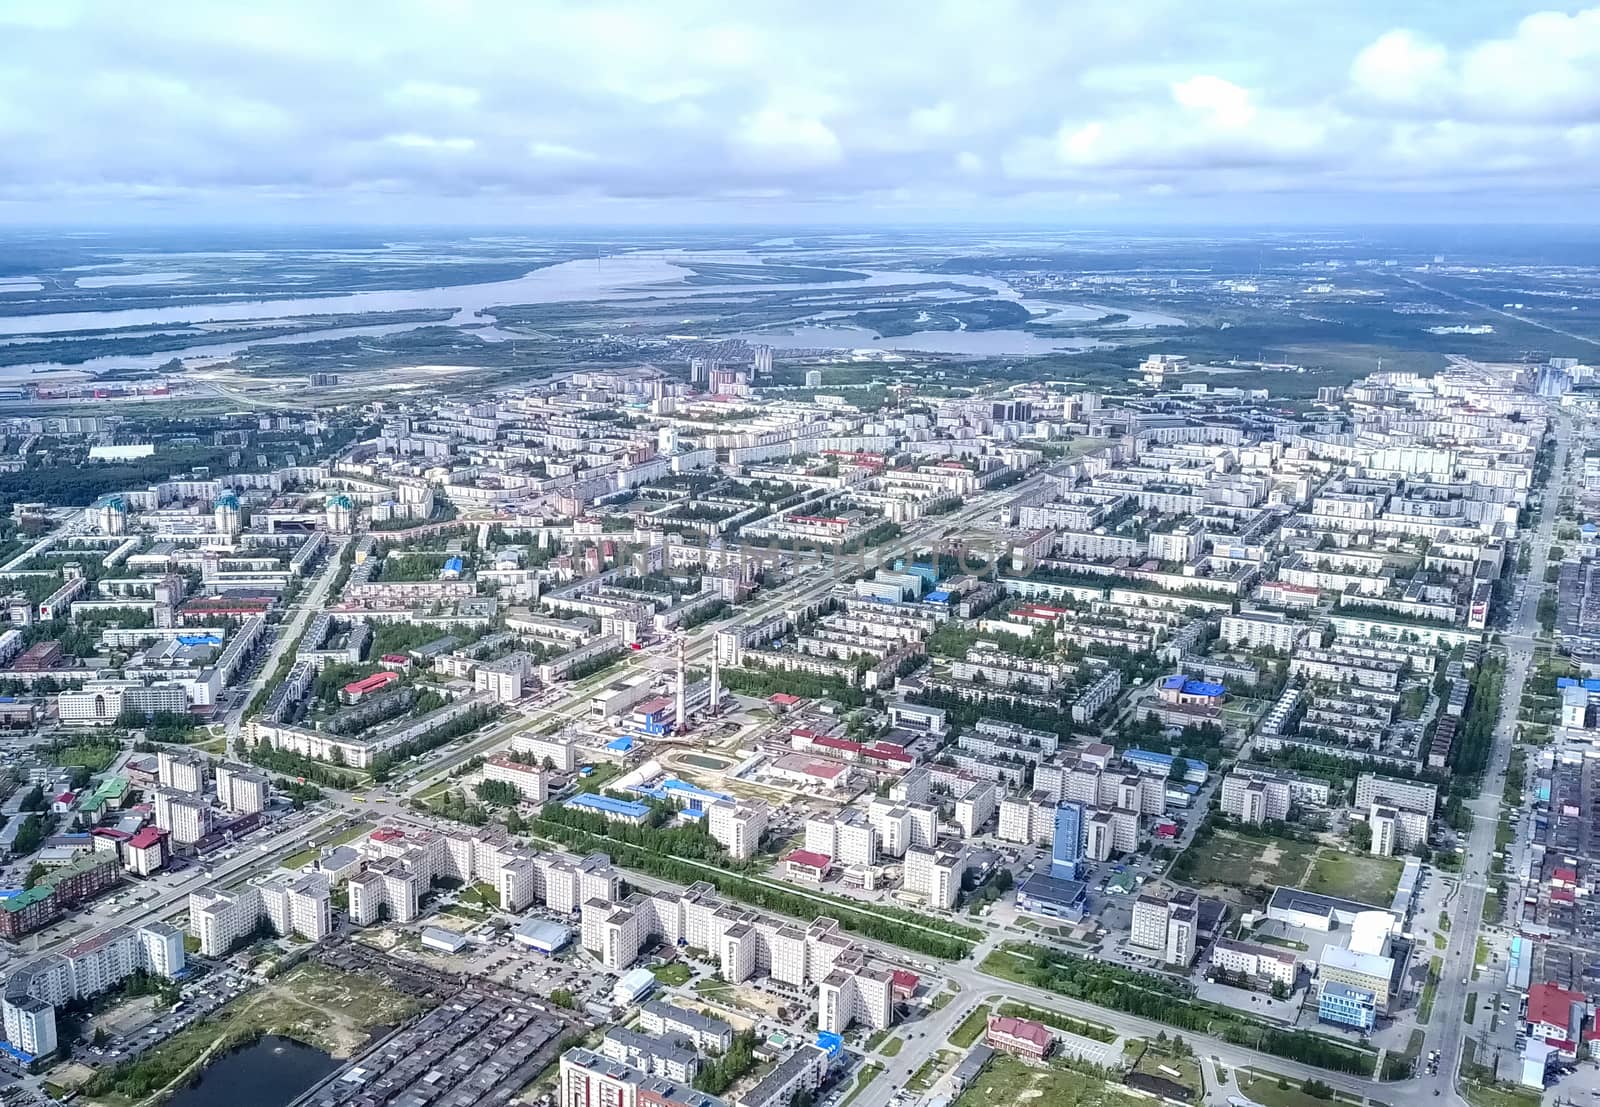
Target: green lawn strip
306	856
1429	988
868	1073
971	1028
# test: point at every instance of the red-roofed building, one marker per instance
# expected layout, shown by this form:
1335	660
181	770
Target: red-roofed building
387	834
904	983
146	851
357	690
1019	1037
887	753
397	661
1556	1015
1564	878
806	865
783	699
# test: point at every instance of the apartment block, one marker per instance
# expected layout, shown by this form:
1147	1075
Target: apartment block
738	827
935	876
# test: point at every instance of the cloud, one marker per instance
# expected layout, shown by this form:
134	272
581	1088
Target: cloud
774	138
467	108
1546	71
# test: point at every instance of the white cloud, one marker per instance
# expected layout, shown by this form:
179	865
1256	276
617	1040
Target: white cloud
1546	71
921	102
1221	104
773	138
454	144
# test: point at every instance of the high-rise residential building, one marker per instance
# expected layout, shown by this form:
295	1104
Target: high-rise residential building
97	964
241	791
181	770
935	875
222	918
847	996
738	827
299	905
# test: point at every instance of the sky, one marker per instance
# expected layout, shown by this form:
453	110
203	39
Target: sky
824	112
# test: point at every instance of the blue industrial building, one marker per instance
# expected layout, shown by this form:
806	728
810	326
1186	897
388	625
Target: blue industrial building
1066	850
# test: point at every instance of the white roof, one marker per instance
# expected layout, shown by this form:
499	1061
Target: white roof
1369	932
1367	964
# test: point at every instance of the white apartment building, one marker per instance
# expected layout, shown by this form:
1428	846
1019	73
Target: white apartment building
562	756
847	837
299	905
1149	929
529	780
1257	629
241	791
1028	820
974	810
1257	962
35	988
701	1031
386	888
30	1025
181	771
1168	926
185	816
221	918
738	827
935	876
1093	698
847	996
1408	795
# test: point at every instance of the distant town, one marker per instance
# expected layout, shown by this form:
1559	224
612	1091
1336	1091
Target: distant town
654	736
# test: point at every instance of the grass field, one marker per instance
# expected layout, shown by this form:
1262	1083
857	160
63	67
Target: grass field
1009	1081
92	756
893	1046
1357	876
673	973
1272	1090
1187	1068
1233	860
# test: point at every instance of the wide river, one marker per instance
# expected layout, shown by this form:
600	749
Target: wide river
631	276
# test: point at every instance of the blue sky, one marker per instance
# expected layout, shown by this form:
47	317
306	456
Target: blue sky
1091	112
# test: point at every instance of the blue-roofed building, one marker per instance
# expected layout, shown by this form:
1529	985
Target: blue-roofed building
940	597
831	1042
451	570
1345	1005
1183	690
691	799
610	807
622	744
1152	763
